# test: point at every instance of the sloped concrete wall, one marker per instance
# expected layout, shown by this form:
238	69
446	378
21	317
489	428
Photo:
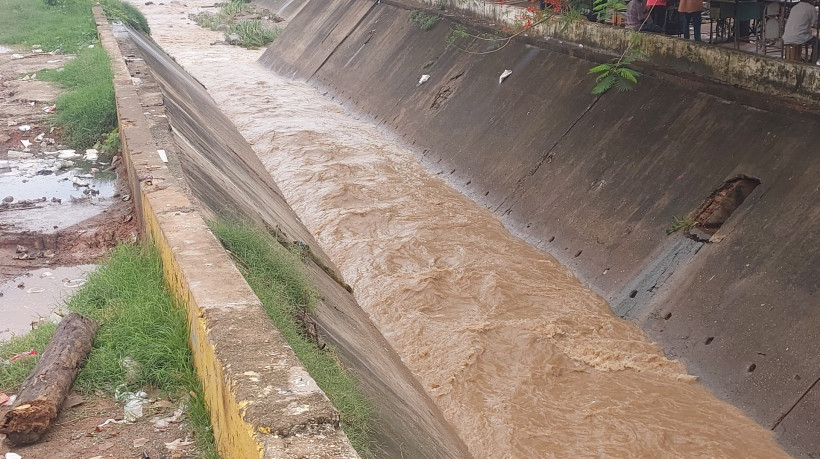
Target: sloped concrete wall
595	181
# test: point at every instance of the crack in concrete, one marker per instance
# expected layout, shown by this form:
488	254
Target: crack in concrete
546	158
784	415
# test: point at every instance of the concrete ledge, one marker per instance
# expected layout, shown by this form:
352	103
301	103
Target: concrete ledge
754	72
263	402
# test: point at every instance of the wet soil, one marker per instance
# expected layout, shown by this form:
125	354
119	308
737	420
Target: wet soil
79	433
54	212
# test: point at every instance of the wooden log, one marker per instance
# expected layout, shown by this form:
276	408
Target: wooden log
42	394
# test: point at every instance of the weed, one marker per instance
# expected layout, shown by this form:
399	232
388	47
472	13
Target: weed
64	26
126	13
425	21
616	75
88	109
110	145
138	320
274	274
686	223
253	34
607	8
456	35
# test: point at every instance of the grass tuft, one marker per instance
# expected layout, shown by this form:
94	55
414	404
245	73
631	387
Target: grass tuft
66	26
139	322
87	110
274	273
686	223
128	14
253	34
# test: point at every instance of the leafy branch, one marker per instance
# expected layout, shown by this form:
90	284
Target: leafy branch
615	75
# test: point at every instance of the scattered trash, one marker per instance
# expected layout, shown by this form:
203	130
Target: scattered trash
49	109
112	421
17	56
23	355
162	155
3	398
24	128
36	290
91	154
136	81
67	154
73	283
39	138
79	182
13	456
134	403
21	249
10	401
504	75
161	425
423	79
178	445
25	143
90	46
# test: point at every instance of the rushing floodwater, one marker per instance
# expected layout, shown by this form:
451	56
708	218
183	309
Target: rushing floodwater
523	359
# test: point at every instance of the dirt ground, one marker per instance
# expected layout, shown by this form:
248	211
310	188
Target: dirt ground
79	432
54	230
99	223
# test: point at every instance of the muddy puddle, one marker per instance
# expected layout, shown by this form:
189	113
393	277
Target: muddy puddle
520	356
37	296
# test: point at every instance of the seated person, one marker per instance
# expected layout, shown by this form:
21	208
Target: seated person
802	18
637	17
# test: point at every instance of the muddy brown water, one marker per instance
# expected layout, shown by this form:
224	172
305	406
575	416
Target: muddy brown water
523	359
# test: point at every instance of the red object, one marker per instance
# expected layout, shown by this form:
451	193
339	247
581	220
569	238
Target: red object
24	354
3	398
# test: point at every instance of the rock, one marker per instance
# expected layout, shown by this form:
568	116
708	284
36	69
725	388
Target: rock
67	154
234	39
8	199
221	27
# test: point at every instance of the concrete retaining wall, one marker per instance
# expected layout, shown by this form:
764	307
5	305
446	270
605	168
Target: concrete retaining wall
225	178
595	181
257	410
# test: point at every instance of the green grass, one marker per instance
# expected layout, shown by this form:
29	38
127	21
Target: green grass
274	273
686	223
253	35
67	26
11	376
138	320
87	110
250	29
117	10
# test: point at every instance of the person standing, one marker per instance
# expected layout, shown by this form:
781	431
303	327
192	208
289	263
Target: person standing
691	11
657	11
802	18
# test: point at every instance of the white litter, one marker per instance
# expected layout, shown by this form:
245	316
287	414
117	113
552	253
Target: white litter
39	138
112	421
25	128
13	456
66	154
504	75
162	155
423	79
25	143
91	154
79	182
